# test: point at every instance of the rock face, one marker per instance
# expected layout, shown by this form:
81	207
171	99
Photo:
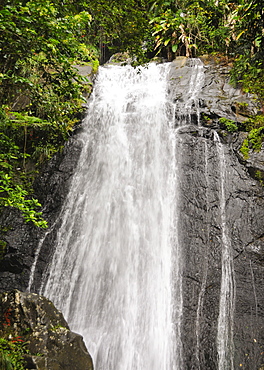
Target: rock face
210	219
221	206
21	240
203	242
35	320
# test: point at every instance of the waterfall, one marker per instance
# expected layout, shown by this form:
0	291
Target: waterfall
112	273
117	270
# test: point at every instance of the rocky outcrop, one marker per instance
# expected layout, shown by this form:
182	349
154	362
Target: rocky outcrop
202	247
43	330
210	158
217	99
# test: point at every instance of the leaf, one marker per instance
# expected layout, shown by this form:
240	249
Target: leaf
240	34
258	41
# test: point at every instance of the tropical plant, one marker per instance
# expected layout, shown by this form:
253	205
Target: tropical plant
12	353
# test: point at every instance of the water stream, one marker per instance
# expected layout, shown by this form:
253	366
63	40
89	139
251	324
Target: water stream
112	272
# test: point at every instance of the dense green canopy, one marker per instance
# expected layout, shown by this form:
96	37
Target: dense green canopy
41	40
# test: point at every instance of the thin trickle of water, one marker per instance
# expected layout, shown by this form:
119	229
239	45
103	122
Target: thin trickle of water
37	253
189	107
33	268
225	345
176	257
204	269
254	288
112	273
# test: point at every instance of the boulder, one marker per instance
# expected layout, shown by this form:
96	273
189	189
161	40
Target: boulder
36	322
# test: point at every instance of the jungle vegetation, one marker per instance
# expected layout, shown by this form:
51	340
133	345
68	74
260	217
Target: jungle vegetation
41	93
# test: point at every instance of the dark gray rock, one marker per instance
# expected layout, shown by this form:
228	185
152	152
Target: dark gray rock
201	225
217	98
21	240
201	242
35	320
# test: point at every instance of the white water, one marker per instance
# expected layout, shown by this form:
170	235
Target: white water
200	303
225	345
112	274
189	104
195	86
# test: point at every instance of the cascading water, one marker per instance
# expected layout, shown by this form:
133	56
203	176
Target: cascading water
196	82
112	273
117	270
186	109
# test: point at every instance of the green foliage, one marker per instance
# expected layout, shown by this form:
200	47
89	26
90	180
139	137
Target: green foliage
255	138
254	122
245	149
248	43
259	175
38	44
12	353
119	26
229	124
95	66
234	29
13	191
56	327
249	73
253	141
40	90
205	117
13	195
188	28
5	361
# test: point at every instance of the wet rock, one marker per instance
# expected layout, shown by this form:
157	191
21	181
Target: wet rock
35	320
202	242
21	240
217	98
255	251
201	225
